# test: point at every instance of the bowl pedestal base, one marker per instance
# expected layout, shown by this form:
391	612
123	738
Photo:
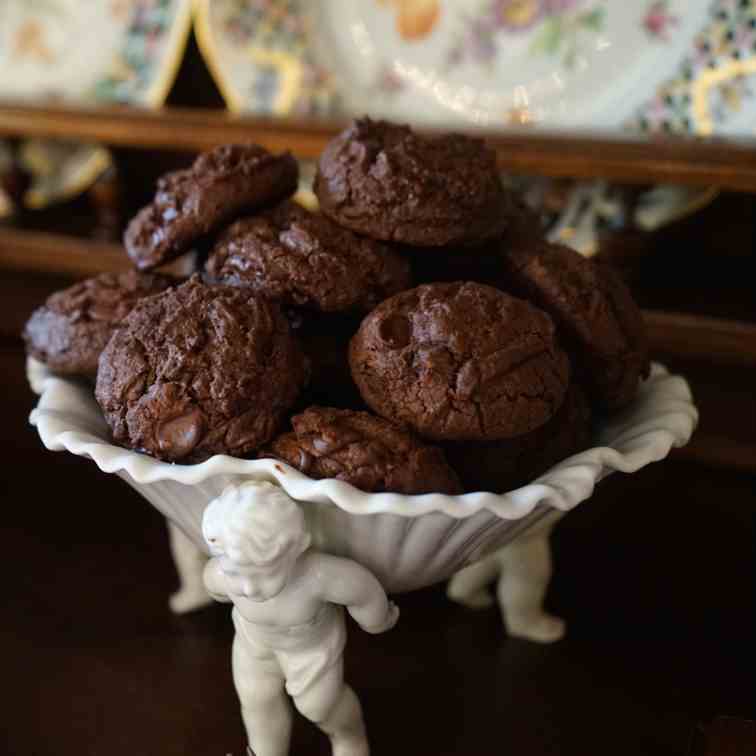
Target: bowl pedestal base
521	570
267	667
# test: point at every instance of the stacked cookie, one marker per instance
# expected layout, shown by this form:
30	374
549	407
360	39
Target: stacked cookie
415	336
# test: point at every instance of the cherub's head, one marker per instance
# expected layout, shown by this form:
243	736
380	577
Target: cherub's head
258	533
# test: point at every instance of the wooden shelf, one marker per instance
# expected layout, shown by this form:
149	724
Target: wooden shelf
719	451
696	337
730	164
37	252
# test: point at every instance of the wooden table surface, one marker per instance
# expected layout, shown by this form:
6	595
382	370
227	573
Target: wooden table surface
655	577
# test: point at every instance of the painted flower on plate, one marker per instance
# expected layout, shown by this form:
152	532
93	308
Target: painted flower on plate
522	14
518	14
659	19
557	25
415	18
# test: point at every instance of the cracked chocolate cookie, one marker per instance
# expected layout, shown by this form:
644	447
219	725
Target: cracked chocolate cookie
190	204
74	325
199	370
385	181
500	466
372	454
593	309
460	361
304	259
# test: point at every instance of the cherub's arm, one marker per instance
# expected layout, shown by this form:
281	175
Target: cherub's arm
342	581
214	581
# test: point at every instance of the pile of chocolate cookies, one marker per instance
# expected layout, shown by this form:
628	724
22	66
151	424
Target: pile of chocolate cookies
416	335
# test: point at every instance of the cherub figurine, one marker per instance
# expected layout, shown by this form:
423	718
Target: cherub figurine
289	617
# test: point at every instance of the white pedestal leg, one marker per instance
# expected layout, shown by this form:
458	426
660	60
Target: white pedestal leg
523	569
333	706
190	562
523	581
471	587
265	707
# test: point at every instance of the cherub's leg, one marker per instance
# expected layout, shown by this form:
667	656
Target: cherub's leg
190	562
469	586
265	707
333	706
525	574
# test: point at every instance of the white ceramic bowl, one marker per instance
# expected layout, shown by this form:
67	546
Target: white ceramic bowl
407	541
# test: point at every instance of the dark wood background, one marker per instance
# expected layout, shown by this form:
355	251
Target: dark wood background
655	574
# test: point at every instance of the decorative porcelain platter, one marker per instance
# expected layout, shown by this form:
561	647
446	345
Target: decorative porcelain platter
119	51
559	63
646	65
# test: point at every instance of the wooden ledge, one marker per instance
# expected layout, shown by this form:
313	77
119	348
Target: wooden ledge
727	164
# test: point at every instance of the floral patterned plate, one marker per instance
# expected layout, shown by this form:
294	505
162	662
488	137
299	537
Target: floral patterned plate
114	51
648	65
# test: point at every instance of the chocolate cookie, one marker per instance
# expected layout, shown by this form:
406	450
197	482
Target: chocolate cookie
189	204
460	361
304	259
199	370
74	325
595	311
383	180
500	466
366	451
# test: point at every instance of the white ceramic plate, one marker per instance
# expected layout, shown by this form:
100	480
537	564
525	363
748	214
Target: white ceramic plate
121	51
648	65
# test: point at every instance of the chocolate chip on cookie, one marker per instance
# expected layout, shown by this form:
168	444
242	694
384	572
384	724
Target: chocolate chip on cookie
189	204
74	325
385	181
594	310
304	259
460	361
372	454
500	466
200	370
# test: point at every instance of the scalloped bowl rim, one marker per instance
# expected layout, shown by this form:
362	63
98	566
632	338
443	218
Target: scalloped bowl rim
663	416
